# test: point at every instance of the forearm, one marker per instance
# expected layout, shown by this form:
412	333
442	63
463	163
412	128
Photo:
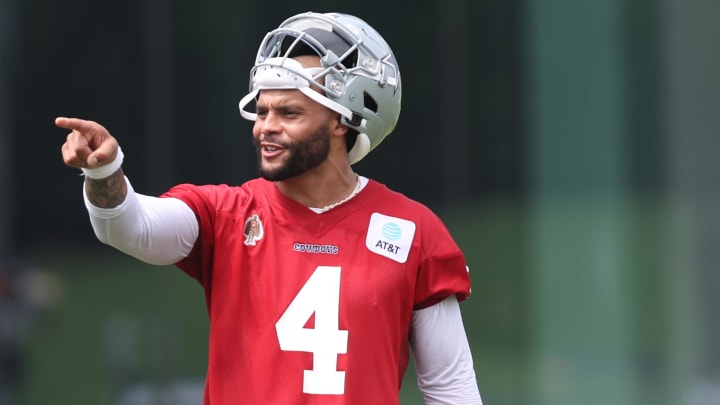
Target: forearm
108	192
444	364
155	230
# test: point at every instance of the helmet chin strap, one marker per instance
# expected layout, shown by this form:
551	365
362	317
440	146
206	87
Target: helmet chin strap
360	149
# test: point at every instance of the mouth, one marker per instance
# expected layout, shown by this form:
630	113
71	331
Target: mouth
271	150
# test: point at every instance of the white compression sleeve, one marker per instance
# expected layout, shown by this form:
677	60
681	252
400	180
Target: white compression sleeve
443	360
155	230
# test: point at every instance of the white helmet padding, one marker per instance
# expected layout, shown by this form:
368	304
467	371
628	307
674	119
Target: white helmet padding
285	73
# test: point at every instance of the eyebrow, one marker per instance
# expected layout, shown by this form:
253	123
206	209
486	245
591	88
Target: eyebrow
283	106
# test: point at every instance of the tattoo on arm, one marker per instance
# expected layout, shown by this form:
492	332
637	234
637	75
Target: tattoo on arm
108	192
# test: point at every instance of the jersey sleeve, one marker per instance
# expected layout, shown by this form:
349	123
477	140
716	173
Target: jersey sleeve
202	200
443	270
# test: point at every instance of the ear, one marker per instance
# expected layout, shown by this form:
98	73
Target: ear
339	128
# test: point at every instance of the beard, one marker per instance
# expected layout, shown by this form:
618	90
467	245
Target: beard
301	156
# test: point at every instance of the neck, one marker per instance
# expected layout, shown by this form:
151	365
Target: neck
358	187
325	189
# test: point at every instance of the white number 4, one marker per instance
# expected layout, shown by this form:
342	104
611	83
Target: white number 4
320	295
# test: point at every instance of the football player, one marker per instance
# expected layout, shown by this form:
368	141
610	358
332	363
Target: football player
319	282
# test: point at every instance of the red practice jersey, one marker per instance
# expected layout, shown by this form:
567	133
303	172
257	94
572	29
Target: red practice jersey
310	308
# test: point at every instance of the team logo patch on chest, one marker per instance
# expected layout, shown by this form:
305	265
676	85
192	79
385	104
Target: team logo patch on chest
390	236
253	230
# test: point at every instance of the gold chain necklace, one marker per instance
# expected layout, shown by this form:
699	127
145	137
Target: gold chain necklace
344	200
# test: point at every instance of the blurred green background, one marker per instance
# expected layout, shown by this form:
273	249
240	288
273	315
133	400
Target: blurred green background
570	146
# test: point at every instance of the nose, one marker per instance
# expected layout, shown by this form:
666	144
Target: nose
269	123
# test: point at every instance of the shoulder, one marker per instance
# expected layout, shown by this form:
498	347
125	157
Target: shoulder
394	212
219	196
395	203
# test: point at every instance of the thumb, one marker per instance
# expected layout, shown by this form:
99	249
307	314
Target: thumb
104	154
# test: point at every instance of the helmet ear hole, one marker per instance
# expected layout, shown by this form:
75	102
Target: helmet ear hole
370	103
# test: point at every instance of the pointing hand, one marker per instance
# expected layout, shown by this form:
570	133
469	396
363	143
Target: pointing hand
88	145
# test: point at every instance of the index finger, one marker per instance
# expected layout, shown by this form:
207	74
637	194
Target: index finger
75	124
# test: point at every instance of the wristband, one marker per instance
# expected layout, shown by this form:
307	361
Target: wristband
105	170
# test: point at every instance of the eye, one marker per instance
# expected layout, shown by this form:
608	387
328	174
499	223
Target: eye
289	111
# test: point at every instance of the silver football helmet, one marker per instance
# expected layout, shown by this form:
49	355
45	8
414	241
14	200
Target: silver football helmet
358	78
